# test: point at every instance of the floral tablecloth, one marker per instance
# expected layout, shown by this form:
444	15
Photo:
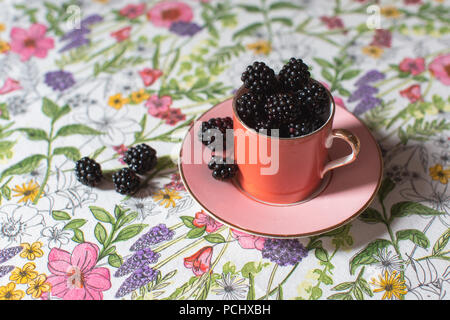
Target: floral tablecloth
95	77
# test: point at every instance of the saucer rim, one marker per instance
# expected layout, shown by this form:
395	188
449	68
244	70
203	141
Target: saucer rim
282	236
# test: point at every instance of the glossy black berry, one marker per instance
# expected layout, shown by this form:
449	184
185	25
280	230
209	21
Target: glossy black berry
306	124
221	168
88	171
259	78
126	181
216	128
141	158
294	75
281	108
314	96
249	106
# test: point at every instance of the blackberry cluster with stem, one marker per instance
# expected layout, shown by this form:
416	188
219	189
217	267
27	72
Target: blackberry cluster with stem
214	129
291	101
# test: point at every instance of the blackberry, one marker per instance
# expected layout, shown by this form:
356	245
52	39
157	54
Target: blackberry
249	106
314	96
281	108
141	158
302	127
294	74
88	171
126	181
213	129
221	169
259	78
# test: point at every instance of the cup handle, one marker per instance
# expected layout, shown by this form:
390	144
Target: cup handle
348	137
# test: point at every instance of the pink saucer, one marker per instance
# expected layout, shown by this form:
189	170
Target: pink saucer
349	191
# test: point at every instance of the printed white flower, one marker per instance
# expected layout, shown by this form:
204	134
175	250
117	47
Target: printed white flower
19	222
56	236
231	287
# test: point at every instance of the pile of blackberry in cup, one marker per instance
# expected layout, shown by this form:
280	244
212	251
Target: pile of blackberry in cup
291	102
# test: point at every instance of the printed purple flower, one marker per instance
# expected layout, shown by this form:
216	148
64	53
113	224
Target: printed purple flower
139	259
75	43
182	28
9	253
361	92
370	76
366	104
284	252
4	270
77	37
76	33
156	235
139	278
92	19
59	80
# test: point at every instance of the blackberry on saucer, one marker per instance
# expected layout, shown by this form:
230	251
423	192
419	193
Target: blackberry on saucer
141	158
126	181
88	171
212	128
314	96
281	108
221	168
294	74
259	78
249	106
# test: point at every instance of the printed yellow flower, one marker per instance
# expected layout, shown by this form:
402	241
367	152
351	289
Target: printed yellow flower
102	1
25	274
260	47
117	101
392	285
166	197
139	96
373	51
33	251
2	27
4	46
27	192
37	286
438	173
390	12
8	292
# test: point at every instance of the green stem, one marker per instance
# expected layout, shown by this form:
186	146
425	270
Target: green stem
49	165
282	282
267	20
269	285
401	84
107	243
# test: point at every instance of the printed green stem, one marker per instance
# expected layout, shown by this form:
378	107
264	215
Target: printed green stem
107	243
267	20
49	165
397	86
282	282
269	284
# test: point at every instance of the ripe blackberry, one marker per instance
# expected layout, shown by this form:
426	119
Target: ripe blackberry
88	171
314	96
213	129
294	74
126	181
259	78
221	169
141	158
281	108
302	127
264	124
249	106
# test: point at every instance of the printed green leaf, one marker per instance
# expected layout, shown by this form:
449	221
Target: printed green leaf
286	21
60	215
61	112
251	289
102	215
371	215
188	221
321	254
24	166
49	108
5	149
327	75
247	30
416	236
441	242
123	220
115	260
34	133
343	286
75	224
408	208
97	152
71	153
365	287
250	8
195	233
386	187
78	236
357	293
215	238
100	233
350	74
316	293
73	129
324	63
284	5
4	112
339	296
129	232
365	256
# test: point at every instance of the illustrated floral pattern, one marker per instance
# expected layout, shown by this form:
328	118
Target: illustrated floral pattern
142	72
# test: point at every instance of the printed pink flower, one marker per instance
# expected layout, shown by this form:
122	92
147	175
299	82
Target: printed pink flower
412	1
176	183
202	219
74	276
440	68
248	241
122	34
31	42
413	66
149	76
165	13
10	85
199	262
332	22
382	38
120	150
412	93
132	11
173	116
156	105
